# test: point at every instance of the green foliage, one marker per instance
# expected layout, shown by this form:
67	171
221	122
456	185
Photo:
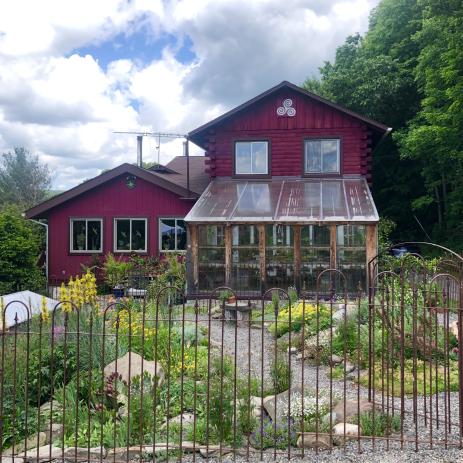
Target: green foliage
24	180
407	72
19	249
291	319
378	424
280	373
116	270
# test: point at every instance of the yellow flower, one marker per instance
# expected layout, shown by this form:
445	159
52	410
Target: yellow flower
44	310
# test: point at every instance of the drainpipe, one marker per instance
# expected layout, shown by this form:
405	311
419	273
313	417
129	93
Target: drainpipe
46	243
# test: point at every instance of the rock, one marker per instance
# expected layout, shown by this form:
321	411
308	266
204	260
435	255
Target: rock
312	349
335	359
338	316
212	451
153	368
325	420
349	367
454	328
312	440
352	407
30	443
254	403
83	452
277	405
345	431
186	419
292	350
56	431
41	453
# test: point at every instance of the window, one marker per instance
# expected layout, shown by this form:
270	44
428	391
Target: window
86	235
351	255
315	255
211	256
251	158
279	255
130	235
172	235
245	258
322	156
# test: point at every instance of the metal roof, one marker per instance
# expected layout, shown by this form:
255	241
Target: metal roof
302	200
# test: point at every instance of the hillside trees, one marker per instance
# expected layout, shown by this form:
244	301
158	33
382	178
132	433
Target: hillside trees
406	72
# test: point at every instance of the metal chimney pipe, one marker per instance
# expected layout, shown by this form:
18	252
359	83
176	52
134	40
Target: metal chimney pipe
140	150
187	154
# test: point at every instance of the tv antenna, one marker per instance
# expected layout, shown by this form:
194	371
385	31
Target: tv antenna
157	135
160	135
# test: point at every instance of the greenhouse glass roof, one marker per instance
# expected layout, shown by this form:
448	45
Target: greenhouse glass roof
285	200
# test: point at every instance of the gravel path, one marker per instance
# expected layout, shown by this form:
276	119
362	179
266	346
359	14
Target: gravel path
249	348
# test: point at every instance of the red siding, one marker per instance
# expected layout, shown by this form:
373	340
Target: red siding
286	135
108	201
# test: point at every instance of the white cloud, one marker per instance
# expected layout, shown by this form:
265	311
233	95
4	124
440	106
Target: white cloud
65	107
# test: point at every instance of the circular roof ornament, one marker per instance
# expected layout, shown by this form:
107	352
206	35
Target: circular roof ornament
287	108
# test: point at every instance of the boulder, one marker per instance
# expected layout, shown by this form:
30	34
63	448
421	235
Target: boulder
277	405
40	453
81	453
352	408
310	440
345	431
254	403
42	439
130	365
335	360
186	419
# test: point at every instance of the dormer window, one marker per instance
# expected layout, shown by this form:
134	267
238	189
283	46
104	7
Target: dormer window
251	158
322	156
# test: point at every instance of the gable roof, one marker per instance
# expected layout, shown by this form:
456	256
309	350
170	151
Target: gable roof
162	180
196	134
198	177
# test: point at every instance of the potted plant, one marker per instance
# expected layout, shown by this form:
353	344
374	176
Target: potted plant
116	274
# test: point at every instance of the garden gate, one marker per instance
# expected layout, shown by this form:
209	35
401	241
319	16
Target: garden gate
282	373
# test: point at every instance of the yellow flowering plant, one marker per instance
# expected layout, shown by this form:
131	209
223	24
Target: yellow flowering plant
80	290
44	313
292	318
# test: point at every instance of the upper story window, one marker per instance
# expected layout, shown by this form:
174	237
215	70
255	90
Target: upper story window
86	235
251	158
322	156
130	235
172	235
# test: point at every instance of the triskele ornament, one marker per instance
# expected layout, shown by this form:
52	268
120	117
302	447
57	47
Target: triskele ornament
287	108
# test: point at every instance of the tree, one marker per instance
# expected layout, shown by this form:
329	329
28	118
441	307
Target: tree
407	72
24	180
434	136
19	248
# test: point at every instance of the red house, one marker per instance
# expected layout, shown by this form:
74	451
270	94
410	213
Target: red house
125	210
281	194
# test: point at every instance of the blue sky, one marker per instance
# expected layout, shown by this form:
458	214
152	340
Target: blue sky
88	68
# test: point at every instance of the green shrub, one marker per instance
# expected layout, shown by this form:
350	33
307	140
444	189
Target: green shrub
280	373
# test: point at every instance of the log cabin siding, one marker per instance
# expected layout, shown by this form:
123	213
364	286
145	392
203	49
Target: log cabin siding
287	134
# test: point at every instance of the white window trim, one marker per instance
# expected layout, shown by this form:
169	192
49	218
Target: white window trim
321	171
71	228
181	251
251	142
130	235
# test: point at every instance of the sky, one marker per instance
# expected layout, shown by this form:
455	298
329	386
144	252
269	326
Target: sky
75	71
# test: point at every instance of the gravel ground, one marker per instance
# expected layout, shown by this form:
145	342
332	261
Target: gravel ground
249	346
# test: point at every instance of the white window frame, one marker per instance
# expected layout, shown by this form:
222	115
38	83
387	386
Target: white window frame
71	229
251	142
160	235
130	235
321	171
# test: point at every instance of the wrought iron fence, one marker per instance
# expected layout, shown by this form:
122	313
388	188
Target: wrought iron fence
281	373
